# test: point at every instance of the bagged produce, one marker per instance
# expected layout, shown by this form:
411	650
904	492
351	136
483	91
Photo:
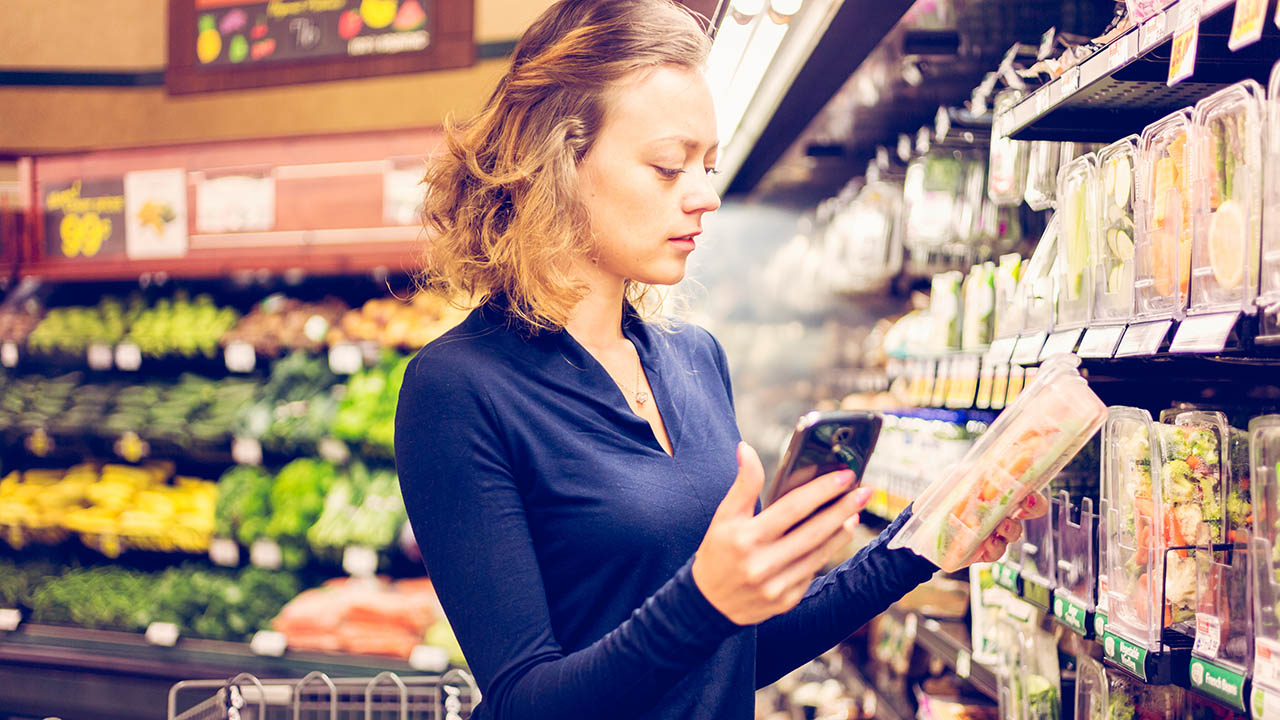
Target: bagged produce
1027	445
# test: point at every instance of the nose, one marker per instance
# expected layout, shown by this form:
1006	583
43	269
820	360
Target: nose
702	196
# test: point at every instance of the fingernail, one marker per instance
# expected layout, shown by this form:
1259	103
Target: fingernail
1031	500
844	478
862	496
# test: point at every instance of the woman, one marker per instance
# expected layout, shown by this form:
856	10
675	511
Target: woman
569	467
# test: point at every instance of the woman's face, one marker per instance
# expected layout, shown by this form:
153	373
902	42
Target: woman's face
646	181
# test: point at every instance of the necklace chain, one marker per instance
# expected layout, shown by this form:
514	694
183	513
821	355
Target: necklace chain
640	396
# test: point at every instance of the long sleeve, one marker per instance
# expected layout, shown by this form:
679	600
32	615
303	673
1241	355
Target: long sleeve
465	500
839	603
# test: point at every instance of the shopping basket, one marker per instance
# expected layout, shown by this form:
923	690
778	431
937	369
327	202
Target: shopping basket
387	696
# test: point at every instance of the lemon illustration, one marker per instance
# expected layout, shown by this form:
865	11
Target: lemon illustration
94	230
72	236
208	45
378	13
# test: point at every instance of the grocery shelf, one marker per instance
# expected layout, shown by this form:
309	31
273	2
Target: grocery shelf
883	708
1122	87
950	642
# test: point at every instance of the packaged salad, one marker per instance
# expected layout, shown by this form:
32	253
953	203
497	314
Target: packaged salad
1078	228
1227	198
1264	455
1163	250
1025	447
1113	253
1269	290
1091	689
1007	171
1129	699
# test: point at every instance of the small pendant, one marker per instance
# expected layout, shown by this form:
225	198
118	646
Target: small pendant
642	398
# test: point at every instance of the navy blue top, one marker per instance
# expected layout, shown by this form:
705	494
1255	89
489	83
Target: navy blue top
560	535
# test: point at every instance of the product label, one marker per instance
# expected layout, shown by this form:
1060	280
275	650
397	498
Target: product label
1143	339
1266	703
1246	24
1100	342
1266	664
1127	655
1208	635
1218	682
1182	59
1154	30
1060	343
246	451
268	643
1008	577
1036	593
1071	614
1204	333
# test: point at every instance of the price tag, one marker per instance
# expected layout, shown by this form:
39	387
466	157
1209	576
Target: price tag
100	356
246	451
1208	635
345	358
224	552
265	554
1100	342
268	643
334	450
315	328
1247	22
131	447
240	357
963	663
1119	52
1182	58
9	354
39	443
164	634
128	357
1060	343
9	619
1143	339
1028	348
1204	333
1042	99
1266	664
372	352
360	561
1070	81
1001	350
425	658
1153	31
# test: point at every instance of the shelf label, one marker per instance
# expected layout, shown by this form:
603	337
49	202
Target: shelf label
1042	99
964	664
1028	348
1153	31
429	659
1204	333
345	358
1070	81
1099	624
131	447
240	357
1127	655
1143	339
9	354
1119	52
360	561
1218	682
372	352
1071	614
10	619
1247	22
1182	58
1001	350
333	450
246	451
1036	593
100	356
1266	702
39	442
1208	635
224	552
269	643
164	634
265	554
128	357
1266	665
1060	343
1100	342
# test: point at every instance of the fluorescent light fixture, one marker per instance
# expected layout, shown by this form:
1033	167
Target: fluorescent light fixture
766	36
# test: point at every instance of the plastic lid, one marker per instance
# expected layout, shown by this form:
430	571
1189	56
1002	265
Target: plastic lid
1113	253
1078	221
1164	218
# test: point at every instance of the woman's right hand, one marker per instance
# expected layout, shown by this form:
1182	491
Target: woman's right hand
752	567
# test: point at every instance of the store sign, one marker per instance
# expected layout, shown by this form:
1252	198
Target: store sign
1127	655
84	219
1100	342
1247	22
253	34
1218	682
155	214
1071	614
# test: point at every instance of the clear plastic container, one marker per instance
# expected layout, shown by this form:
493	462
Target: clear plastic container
1264	455
1040	686
967	213
1039	563
934	181
985	602
1131	699
1091	689
862	241
1114	245
1163	249
1010	314
1043	163
1269	290
945	307
979	307
1078	228
1037	290
1077	574
1025	447
1007	170
1227	199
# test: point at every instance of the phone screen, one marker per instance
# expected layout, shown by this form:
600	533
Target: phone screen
825	442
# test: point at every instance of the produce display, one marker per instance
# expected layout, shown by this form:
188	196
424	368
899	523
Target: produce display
393	323
1038	671
244	501
1028	444
16	324
111	508
945	306
933	182
1163	254
297	498
1228	198
278	323
367	413
1114	250
361	508
293	411
1078	218
180	326
73	329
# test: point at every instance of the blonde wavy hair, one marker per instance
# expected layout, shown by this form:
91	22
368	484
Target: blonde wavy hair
502	210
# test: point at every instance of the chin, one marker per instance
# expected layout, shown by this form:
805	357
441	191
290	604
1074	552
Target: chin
660	276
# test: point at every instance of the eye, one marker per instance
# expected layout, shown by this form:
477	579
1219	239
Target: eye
713	171
668	173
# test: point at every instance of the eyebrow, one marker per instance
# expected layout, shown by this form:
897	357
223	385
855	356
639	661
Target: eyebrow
687	141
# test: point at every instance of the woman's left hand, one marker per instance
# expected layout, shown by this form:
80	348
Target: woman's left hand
1009	529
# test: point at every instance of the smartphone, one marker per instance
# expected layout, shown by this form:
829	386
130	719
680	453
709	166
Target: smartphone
825	442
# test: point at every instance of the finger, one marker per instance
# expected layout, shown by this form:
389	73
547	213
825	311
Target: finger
1008	530
802	571
798	504
991	550
1033	506
813	533
745	490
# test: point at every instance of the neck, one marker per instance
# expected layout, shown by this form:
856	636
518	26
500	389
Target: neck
596	321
